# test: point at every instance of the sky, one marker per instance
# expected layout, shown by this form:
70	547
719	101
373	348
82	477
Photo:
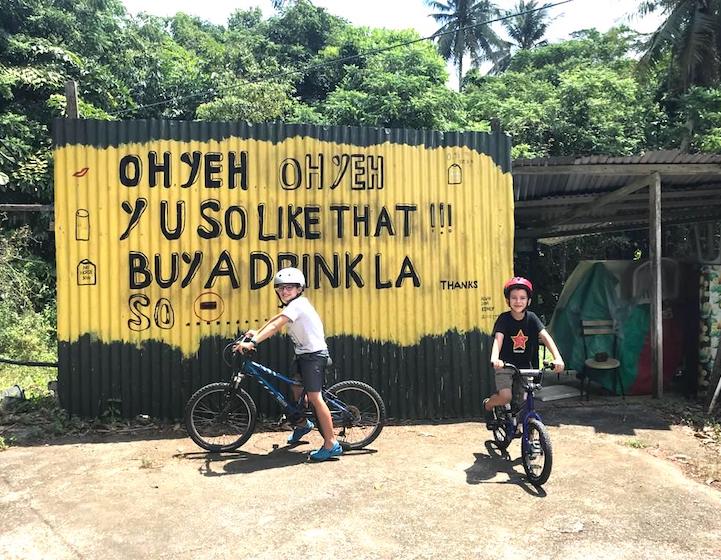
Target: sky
403	14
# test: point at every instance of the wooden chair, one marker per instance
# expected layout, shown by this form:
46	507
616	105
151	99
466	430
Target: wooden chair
601	363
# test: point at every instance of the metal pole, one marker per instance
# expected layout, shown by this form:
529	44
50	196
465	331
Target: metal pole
656	285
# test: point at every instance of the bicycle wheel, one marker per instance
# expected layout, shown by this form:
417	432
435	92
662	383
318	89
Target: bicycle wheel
359	416
500	432
537	453
220	418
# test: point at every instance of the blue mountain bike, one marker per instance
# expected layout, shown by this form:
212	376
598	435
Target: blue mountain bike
222	416
520	420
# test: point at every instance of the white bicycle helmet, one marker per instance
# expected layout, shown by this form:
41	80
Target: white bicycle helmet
289	275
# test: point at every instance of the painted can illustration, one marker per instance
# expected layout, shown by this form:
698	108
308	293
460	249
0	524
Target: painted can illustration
82	225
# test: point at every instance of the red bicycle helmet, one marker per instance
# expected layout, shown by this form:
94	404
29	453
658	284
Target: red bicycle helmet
517	282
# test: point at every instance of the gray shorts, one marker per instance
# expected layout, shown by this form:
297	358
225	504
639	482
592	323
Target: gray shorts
310	369
504	380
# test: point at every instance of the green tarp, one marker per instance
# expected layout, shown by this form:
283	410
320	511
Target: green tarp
590	294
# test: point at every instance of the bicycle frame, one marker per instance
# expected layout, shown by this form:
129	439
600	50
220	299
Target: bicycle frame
527	410
260	373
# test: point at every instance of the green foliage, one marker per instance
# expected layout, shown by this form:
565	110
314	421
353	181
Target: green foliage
297	35
700	116
253	102
43	44
27	313
578	97
612	49
600	112
527	109
525	30
688	42
463	31
636	443
401	88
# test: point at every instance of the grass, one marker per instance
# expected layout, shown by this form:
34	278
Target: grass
636	443
32	380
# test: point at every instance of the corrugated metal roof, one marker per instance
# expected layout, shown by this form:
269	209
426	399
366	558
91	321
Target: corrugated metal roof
548	190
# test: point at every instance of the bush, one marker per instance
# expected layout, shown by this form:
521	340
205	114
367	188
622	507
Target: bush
27	313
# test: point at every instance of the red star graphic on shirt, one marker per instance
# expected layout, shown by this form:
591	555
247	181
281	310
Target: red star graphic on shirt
519	341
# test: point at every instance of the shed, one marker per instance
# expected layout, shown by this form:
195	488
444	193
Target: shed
561	197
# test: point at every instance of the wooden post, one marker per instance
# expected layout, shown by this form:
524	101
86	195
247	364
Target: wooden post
656	332
71	100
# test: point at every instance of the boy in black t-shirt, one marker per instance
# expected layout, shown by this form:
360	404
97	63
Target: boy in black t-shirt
515	341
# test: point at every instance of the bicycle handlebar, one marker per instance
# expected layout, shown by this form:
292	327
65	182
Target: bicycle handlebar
535	374
231	357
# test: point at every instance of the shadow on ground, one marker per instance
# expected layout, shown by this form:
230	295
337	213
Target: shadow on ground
605	414
243	462
488	466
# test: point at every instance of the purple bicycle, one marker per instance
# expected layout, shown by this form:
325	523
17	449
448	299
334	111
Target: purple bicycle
520	420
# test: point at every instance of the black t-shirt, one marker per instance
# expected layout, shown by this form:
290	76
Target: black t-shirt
520	339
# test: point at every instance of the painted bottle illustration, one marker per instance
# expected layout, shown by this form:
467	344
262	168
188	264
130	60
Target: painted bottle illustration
82	225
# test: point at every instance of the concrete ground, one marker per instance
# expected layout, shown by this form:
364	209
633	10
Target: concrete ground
625	484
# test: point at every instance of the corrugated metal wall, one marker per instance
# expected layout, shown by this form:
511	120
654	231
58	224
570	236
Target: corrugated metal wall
168	234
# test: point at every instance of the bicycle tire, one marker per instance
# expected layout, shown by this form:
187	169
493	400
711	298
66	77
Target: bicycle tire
500	432
218	423
369	414
529	452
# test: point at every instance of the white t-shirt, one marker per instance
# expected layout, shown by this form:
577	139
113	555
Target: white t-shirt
305	327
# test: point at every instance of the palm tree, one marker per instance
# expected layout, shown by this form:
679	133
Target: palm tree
463	30
526	30
529	25
691	35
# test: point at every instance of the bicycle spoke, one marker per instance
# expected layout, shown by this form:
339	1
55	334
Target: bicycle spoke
357	414
537	454
219	418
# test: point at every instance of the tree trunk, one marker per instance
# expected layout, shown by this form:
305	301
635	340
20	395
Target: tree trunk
460	72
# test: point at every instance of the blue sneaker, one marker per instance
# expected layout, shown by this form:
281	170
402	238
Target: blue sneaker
300	431
324	454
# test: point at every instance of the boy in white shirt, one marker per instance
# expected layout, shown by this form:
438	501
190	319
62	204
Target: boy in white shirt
305	329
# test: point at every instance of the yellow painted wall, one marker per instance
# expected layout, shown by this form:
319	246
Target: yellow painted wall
438	245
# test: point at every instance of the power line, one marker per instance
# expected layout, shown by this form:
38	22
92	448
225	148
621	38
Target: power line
311	67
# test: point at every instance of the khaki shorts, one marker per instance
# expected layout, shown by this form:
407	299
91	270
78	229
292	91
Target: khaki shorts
504	380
